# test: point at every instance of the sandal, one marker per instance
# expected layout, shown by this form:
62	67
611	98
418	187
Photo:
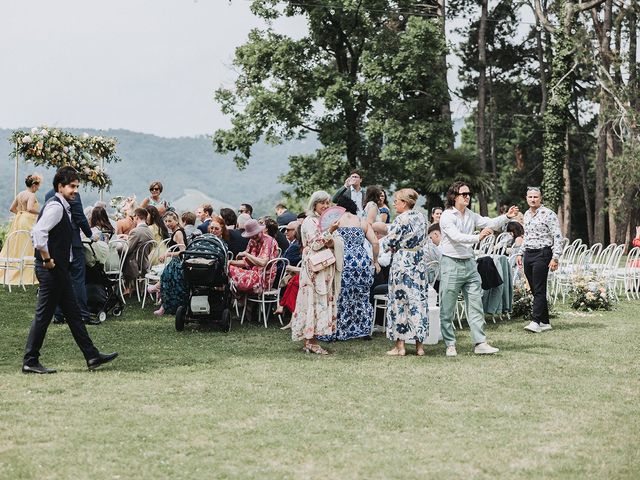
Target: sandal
397	352
315	348
420	352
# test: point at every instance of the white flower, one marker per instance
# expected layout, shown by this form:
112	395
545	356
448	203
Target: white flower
65	149
86	170
34	130
99	139
85	135
44	132
26	139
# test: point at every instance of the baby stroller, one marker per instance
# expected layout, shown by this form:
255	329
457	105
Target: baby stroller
204	263
102	292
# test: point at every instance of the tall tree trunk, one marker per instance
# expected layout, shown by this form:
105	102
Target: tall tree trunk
445	109
566	193
632	57
481	138
604	126
585	193
497	191
543	66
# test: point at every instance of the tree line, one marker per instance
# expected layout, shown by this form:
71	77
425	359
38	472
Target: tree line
552	86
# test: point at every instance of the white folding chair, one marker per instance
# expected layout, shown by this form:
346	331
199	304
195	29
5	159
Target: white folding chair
118	248
380	303
145	261
153	275
13	261
275	269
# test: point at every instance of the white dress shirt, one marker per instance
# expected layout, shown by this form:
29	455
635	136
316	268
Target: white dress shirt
457	231
51	216
357	196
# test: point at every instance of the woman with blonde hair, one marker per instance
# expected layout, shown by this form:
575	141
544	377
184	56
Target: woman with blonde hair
315	312
25	207
407	304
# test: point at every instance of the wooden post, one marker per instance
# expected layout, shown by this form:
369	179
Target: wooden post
102	189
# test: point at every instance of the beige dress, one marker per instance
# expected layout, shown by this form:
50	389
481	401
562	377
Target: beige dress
21	245
316	306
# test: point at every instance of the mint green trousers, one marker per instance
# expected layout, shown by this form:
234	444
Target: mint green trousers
461	275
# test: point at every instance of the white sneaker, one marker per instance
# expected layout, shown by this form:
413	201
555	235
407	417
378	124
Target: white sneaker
544	327
533	327
451	351
485	349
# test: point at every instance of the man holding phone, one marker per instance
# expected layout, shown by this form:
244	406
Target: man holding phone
352	189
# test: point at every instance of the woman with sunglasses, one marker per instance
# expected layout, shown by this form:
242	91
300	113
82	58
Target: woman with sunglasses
154	200
25	207
458	269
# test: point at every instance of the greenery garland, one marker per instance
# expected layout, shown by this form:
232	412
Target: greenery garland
57	148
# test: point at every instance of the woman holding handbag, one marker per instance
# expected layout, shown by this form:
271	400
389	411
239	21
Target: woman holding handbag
315	313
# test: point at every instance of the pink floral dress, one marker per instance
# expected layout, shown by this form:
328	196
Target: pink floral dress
315	313
249	278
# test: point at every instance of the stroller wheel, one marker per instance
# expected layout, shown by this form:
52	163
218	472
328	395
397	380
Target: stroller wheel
117	311
181	313
102	316
226	319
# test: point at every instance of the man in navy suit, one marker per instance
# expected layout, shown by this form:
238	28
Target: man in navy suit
77	267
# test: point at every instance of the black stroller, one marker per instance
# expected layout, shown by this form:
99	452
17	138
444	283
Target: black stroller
205	271
102	292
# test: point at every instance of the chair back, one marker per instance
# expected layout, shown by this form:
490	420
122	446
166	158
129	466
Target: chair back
22	238
143	256
272	275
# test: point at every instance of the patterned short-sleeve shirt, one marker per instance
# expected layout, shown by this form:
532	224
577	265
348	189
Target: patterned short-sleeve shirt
542	229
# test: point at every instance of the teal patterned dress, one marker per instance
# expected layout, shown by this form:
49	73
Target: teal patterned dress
407	311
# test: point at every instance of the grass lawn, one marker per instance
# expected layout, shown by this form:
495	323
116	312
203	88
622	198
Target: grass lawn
249	404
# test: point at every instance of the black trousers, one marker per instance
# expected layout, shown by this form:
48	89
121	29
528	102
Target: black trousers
56	289
536	269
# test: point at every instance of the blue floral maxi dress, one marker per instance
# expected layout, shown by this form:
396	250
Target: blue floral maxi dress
407	311
355	312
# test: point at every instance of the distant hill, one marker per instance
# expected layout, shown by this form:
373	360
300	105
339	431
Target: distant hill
181	164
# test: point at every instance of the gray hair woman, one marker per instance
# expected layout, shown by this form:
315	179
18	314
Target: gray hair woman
315	313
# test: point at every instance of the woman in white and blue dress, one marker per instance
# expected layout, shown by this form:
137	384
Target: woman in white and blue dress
407	311
355	312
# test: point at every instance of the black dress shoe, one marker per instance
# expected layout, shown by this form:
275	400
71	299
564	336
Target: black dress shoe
101	359
91	321
37	368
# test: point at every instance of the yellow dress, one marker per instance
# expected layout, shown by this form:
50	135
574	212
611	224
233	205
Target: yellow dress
21	244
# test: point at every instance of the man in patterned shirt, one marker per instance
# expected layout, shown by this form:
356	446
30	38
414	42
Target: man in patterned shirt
542	248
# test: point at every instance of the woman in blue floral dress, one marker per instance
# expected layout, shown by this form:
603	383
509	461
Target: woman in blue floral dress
355	312
407	305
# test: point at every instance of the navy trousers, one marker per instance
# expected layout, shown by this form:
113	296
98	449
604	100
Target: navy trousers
55	289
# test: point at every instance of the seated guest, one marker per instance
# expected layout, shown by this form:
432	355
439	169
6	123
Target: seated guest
237	243
172	286
243	218
291	280
273	231
284	216
246	272
154	199
293	252
140	235
189	225
100	224
432	253
218	228
127	223
205	211
159	232
246	208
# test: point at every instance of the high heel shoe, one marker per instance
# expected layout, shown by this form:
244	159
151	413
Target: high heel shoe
155	288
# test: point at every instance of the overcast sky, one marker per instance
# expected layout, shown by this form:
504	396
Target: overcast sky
146	65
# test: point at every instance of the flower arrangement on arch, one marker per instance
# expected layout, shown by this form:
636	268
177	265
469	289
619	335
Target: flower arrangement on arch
590	293
57	148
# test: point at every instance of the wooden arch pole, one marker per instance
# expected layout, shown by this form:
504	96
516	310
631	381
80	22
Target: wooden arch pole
15	175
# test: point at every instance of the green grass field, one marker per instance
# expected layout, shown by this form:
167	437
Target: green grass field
250	404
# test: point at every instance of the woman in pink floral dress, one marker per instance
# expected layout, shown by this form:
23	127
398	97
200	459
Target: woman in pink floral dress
246	271
315	313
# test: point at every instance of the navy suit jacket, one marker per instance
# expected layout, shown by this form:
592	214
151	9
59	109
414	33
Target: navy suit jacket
78	219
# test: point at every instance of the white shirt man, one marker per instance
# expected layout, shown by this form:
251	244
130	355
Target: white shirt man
458	269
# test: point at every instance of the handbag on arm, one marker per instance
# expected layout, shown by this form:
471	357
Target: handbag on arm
321	260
